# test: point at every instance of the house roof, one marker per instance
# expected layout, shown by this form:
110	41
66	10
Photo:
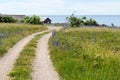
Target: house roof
44	18
19	17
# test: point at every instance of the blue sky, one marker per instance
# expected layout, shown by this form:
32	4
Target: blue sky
60	7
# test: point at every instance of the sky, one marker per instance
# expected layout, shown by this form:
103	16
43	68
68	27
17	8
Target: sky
60	7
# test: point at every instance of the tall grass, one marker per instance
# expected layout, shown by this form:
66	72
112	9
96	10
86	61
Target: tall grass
12	33
87	54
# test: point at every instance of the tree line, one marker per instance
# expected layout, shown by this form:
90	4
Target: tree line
27	20
74	21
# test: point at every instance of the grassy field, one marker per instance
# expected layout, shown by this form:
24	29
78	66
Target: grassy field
86	53
12	33
23	66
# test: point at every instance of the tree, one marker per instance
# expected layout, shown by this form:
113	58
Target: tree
84	18
74	21
112	25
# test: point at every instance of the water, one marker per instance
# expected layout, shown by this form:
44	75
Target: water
101	19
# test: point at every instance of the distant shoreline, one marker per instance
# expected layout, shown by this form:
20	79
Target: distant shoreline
101	19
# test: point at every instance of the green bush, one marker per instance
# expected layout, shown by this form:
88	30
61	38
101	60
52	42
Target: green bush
7	19
0	19
32	20
90	22
76	22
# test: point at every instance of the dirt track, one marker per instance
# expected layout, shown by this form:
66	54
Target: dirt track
43	68
8	60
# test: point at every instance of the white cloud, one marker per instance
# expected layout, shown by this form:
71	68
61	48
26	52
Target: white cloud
97	8
32	6
58	7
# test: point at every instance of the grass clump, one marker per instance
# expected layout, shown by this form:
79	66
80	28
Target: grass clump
12	33
86	53
22	68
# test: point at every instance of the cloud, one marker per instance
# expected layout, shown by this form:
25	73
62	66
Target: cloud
49	7
97	8
32	6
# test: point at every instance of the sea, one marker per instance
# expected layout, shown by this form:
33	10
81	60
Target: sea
101	19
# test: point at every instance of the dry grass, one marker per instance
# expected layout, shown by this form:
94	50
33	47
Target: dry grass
12	33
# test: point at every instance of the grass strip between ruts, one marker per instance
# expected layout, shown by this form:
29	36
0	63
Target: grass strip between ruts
23	66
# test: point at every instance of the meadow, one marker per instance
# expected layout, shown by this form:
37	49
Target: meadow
86	53
12	33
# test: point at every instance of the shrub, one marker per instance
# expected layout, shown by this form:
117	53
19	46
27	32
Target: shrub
32	20
91	22
74	21
0	19
7	19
